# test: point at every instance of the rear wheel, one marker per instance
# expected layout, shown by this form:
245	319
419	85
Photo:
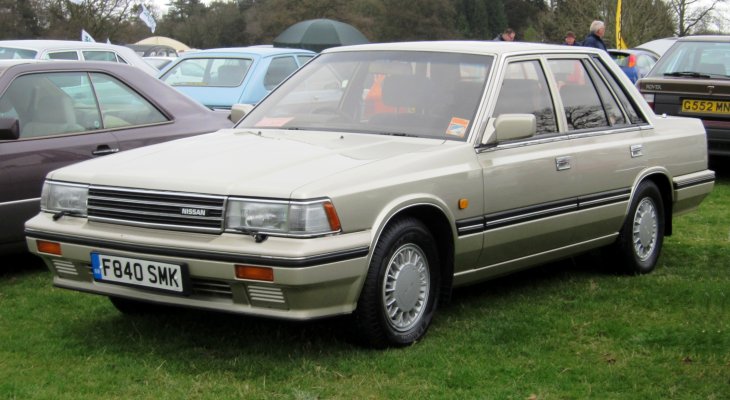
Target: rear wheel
400	293
641	238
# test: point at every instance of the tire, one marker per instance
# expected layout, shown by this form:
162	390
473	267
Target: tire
135	307
640	240
389	312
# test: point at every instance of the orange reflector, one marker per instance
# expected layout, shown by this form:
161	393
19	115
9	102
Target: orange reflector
332	217
632	60
49	247
254	273
463	203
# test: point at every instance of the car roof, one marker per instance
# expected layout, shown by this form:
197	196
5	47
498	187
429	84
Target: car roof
51	45
705	38
5	64
43	44
474	47
658	46
245	51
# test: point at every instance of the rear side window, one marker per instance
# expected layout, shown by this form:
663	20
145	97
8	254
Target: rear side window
99	55
525	91
581	103
62	55
279	69
629	107
121	106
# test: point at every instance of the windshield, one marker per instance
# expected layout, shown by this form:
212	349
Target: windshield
695	59
9	53
227	72
404	93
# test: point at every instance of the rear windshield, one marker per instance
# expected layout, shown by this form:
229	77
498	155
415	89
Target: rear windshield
9	53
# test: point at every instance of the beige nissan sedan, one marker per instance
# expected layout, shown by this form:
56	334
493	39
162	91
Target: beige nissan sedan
377	179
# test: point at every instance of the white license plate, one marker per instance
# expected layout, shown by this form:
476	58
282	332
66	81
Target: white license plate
136	272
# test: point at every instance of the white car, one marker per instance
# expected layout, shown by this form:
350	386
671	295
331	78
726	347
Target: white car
72	50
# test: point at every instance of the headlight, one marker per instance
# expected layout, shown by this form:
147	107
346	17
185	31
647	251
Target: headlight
64	197
282	217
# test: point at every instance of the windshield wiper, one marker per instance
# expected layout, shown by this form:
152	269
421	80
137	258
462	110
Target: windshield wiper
688	74
399	134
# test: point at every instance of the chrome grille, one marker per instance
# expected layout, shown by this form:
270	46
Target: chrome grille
157	209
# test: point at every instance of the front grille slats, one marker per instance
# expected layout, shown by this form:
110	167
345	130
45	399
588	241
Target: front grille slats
212	288
171	210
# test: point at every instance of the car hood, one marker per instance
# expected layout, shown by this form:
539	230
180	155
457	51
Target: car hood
244	162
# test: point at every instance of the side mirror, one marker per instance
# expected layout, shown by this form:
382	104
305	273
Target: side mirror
515	126
238	111
9	129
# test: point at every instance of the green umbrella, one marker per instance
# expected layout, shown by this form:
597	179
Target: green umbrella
319	34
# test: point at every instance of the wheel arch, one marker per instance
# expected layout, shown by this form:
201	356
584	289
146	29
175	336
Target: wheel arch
664	183
440	226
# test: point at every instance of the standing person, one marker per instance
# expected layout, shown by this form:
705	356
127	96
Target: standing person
595	38
507	36
569	39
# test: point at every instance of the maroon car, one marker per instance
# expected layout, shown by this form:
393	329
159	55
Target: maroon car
57	113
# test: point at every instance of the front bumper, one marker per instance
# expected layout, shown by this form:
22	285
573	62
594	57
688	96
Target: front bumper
313	278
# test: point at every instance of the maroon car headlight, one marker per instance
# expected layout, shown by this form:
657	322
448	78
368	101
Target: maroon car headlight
66	198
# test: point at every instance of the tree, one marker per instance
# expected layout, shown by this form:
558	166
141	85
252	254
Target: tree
692	14
18	19
577	15
183	22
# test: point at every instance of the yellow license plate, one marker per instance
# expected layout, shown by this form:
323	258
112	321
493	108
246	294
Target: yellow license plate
706	106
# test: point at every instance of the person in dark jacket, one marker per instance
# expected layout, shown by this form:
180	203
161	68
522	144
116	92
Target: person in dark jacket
570	39
507	36
595	38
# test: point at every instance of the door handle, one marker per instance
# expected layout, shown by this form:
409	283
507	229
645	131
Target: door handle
103	150
637	150
562	163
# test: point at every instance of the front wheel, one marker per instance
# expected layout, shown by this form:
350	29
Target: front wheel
401	289
641	238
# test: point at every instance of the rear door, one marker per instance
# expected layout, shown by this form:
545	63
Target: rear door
606	147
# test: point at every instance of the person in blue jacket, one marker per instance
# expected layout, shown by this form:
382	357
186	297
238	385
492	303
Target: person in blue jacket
595	38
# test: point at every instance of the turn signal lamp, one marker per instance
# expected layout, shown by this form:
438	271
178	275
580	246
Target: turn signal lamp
332	218
463	204
255	273
49	247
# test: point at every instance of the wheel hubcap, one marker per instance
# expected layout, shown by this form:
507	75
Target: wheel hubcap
406	287
645	230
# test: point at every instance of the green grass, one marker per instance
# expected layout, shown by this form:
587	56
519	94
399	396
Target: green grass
569	330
